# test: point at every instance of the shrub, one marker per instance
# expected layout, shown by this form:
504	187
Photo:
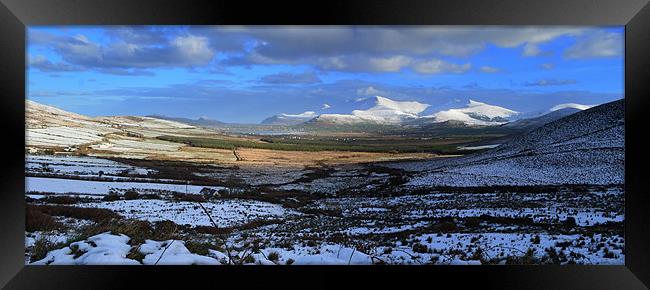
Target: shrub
111	196
131	195
249	259
274	256
212	230
76	251
448	226
150	196
164	230
420	248
608	254
135	254
138	231
223	192
472	222
526	259
60	199
535	240
290	261
189	197
36	220
569	222
94	214
41	247
198	247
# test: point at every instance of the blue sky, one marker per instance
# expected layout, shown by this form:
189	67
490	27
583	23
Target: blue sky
245	74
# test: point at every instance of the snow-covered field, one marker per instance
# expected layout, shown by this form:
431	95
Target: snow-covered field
225	213
80	166
111	249
554	195
74	186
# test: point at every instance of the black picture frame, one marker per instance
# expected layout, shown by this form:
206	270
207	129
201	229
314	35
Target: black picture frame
15	15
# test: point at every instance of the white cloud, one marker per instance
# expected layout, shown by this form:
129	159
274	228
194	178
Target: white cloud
370	91
325	107
596	44
550	82
489	69
193	49
436	66
531	49
547	66
389	64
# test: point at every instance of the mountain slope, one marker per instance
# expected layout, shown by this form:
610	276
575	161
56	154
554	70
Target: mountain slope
205	122
584	148
475	113
383	111
48	126
288	119
536	122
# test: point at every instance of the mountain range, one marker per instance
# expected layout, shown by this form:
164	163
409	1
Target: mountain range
586	147
384	111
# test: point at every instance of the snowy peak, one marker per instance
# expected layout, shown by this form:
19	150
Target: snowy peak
289	119
476	113
408	107
570	105
384	111
489	111
308	114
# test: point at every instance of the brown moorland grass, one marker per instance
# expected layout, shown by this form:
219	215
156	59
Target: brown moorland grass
35	220
94	214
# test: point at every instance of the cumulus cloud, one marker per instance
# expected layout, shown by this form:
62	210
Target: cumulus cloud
489	69
325	107
43	64
385	49
531	49
128	50
436	66
550	82
370	91
291	78
596	44
425	50
547	66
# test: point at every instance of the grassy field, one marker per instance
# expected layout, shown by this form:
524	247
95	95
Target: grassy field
366	144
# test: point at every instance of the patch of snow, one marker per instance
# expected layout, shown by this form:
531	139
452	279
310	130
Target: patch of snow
570	105
63	185
102	249
230	212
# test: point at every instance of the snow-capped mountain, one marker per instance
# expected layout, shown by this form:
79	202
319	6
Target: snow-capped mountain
288	119
587	147
527	124
566	107
383	111
475	113
571	106
202	121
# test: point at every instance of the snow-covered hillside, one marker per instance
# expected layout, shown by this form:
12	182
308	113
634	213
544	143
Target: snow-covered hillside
384	111
475	113
584	148
52	127
535	122
570	105
289	119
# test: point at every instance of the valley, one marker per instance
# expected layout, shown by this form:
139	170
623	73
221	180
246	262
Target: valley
148	190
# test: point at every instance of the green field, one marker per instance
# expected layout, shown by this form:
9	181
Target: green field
361	144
